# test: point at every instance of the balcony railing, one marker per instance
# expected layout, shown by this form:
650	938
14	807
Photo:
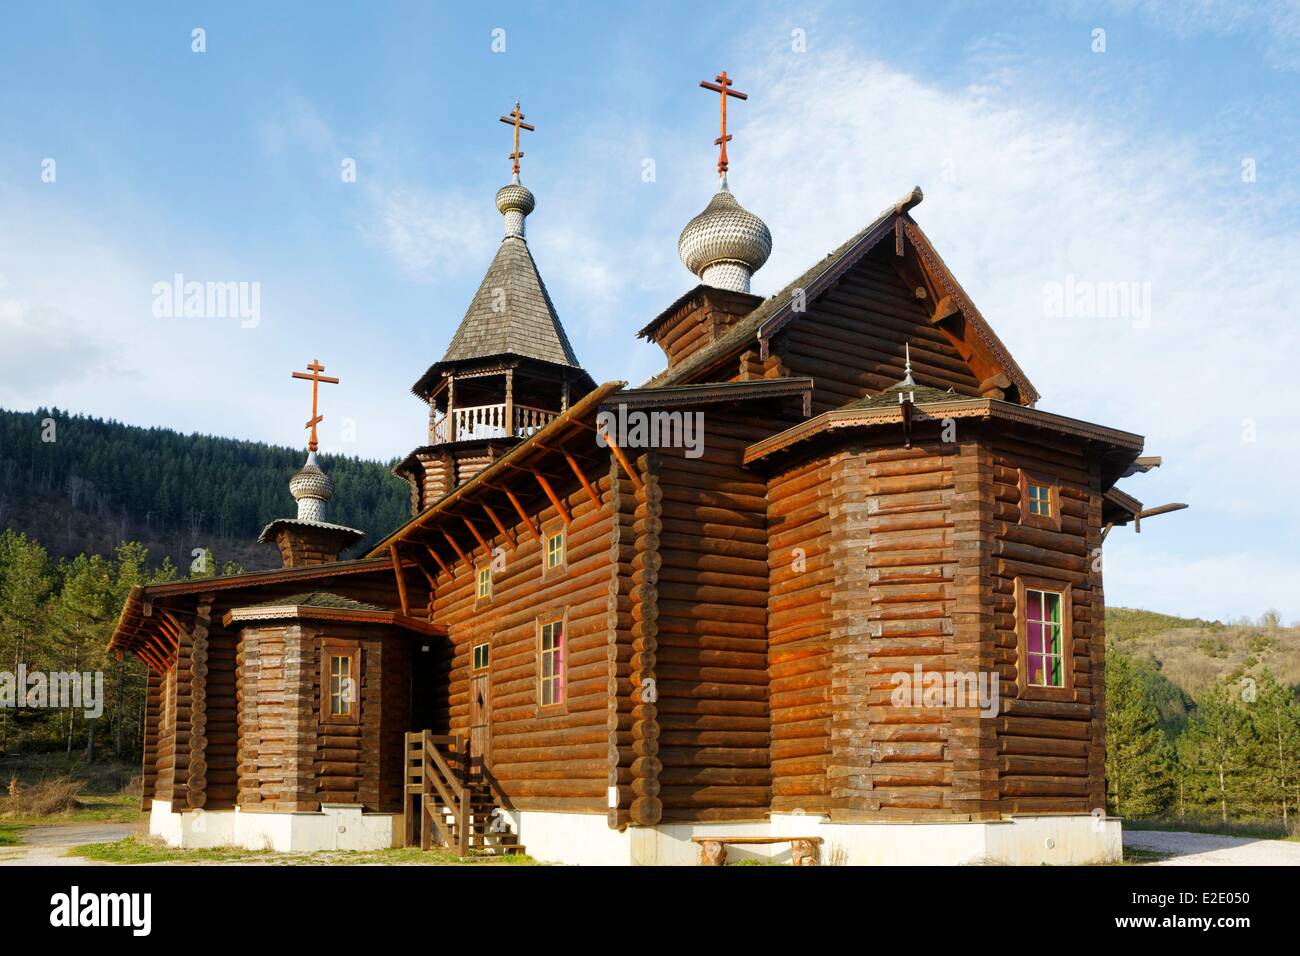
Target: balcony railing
488	421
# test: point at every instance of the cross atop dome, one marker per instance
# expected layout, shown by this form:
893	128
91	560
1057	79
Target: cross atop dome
315	368
516	119
725	244
722	86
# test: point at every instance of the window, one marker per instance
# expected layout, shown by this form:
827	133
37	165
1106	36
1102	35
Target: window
480	656
1040	501
554	550
551	664
1045	653
342	697
484	589
340	681
1044	638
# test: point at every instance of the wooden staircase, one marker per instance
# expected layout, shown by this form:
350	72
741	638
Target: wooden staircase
452	801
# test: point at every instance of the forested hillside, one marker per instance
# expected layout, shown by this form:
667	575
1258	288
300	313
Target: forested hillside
1202	719
83	484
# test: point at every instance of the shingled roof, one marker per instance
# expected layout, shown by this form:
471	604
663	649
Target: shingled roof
523	323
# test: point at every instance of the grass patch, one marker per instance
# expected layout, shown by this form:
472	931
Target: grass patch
41	789
1137	856
9	835
1249	829
137	851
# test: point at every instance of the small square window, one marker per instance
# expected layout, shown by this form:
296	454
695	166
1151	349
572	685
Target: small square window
551	664
1045	638
1040	500
484	589
555	550
480	656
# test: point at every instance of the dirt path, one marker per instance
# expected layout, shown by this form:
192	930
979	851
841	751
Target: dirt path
1206	849
46	846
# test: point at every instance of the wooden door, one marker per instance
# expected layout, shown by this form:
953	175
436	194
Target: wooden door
480	716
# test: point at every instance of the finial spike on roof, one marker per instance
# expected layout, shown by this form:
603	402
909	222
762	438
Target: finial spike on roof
907	367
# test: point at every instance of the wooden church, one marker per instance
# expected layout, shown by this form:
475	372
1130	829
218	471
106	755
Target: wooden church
827	588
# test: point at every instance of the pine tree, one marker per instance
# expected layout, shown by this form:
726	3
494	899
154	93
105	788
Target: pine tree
1138	757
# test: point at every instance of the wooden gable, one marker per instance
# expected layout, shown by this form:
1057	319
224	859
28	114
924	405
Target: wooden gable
846	320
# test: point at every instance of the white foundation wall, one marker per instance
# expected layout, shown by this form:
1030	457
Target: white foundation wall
334	827
586	840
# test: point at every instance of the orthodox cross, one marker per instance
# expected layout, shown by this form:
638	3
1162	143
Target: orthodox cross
516	119
315	378
721	87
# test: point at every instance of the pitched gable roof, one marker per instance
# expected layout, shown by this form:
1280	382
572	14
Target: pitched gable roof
511	314
773	313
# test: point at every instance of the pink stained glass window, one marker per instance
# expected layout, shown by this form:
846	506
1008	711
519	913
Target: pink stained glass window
1045	638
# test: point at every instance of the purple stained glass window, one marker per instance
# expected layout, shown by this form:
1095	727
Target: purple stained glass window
1045	638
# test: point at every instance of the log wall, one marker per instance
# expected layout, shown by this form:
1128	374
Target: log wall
544	758
850	340
711	625
801	580
1050	753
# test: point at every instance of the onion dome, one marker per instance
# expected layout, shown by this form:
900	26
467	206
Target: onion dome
311	488
726	243
515	201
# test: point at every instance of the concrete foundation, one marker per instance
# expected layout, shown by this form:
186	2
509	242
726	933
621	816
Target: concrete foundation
585	839
334	827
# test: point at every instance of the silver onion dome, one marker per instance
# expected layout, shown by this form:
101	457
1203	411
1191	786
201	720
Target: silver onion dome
311	488
515	201
725	244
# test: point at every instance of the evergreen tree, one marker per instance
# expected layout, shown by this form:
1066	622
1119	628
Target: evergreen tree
1138	758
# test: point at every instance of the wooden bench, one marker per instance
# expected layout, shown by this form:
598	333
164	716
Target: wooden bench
713	849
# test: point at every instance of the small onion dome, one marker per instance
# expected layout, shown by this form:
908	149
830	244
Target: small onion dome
515	201
311	488
726	243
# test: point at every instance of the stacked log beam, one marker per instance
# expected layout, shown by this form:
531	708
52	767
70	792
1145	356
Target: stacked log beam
801	581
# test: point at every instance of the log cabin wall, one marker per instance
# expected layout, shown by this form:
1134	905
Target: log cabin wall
893	548
703	317
291	758
1051	752
277	723
361	761
554	758
711	641
801	579
149	762
850	341
626	754
222	751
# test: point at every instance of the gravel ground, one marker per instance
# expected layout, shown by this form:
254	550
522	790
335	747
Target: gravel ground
1206	849
46	846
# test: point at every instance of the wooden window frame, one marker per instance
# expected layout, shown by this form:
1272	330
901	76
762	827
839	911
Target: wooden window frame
562	705
478	575
1028	691
1052	521
331	648
474	665
563	566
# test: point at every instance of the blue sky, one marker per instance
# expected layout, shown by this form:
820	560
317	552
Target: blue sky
1043	161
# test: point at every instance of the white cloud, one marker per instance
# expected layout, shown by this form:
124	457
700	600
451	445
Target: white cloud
431	235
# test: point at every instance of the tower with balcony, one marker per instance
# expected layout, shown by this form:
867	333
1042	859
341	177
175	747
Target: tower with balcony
508	371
